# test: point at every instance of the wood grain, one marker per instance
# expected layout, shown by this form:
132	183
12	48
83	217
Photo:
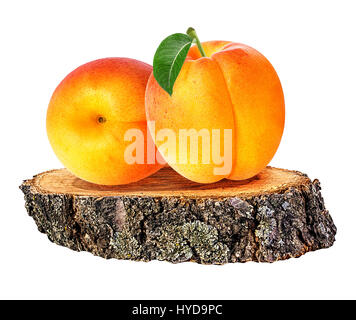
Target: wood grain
167	182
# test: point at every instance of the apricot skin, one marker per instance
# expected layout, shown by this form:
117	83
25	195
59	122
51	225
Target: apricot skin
234	87
88	115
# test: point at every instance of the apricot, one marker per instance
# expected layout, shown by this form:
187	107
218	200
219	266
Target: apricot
234	87
88	115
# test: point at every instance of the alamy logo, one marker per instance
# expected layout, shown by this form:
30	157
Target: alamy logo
191	146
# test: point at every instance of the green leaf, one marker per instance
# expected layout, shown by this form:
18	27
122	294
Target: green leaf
169	59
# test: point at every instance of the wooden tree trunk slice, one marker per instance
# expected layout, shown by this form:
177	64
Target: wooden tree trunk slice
276	215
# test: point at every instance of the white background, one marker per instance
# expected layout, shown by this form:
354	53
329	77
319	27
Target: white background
311	45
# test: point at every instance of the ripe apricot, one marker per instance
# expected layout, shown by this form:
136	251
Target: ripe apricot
235	87
90	112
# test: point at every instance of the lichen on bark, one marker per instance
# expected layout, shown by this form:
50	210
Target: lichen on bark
263	228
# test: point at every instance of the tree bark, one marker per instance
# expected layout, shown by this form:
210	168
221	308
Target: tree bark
276	215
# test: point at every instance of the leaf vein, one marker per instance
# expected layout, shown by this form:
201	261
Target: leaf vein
173	62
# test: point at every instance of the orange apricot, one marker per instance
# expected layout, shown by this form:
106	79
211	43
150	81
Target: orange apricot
90	112
235	88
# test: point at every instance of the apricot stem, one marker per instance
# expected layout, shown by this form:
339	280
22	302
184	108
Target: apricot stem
101	119
192	33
